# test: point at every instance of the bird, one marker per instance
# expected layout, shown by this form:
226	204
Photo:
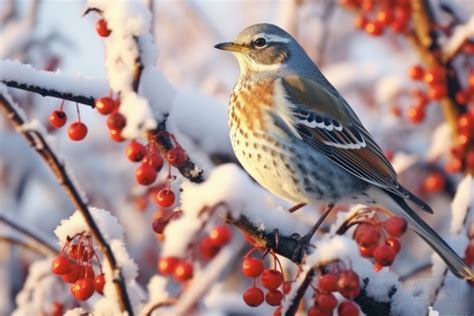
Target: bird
297	136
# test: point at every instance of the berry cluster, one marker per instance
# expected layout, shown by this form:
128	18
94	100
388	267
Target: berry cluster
342	280
270	279
77	130
435	80
368	236
75	265
180	269
374	17
208	247
151	162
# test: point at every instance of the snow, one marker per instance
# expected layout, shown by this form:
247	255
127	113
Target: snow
460	204
441	142
402	161
108	225
461	33
64	83
40	290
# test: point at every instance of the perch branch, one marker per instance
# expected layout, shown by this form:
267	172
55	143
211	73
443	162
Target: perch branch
38	142
43	250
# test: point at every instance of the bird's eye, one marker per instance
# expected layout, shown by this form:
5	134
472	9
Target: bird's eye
260	42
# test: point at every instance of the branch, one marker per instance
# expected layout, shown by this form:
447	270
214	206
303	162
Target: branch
38	142
29	234
78	89
28	246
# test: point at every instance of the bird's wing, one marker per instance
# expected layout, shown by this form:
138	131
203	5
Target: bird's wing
321	120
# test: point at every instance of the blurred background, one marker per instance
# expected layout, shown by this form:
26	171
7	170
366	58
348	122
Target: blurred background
370	71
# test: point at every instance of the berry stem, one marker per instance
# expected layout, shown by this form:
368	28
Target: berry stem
62	105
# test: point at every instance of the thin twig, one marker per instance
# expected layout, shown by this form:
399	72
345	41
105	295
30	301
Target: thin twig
44	250
38	142
28	233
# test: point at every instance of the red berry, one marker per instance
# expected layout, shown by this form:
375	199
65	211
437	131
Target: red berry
434	75
348	284
325	302
328	282
393	243
105	105
145	174
77	131
470	159
207	250
61	265
348	308
116	135
462	97
135	151
166	266
220	235
72	275
366	235
367	251
469	254
416	72
470	80
315	311
277	311
159	225
165	197
102	29
87	272
374	28
384	255
82	289
361	22
271	279
57	309
274	297
116	121
416	114
385	16
252	267
286	286
396	226
454	165
154	159
396	110
253	297
57	118
176	156
99	283
437	91
183	271
434	183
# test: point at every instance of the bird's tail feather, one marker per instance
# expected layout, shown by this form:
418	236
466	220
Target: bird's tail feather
454	262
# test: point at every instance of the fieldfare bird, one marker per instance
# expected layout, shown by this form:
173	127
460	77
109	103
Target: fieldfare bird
298	137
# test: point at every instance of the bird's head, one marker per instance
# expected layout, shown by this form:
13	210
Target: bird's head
265	48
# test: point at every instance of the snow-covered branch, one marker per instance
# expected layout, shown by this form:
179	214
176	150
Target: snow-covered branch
78	89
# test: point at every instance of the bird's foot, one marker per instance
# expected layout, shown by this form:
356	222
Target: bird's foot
304	241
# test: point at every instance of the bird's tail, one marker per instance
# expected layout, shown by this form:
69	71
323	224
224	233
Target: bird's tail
454	262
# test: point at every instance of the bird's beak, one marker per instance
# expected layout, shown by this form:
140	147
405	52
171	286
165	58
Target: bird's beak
230	47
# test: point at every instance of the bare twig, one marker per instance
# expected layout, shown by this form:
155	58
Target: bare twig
38	142
29	234
29	246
